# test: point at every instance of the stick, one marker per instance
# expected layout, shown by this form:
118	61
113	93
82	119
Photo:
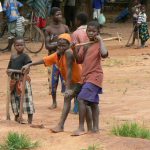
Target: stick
130	37
22	97
8	99
106	39
138	38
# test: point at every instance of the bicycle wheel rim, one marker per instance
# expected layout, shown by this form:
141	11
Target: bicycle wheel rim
32	44
4	41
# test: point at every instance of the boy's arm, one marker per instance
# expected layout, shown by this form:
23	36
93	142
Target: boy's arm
50	46
103	49
70	60
26	67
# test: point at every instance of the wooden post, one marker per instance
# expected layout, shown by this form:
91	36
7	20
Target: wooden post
22	97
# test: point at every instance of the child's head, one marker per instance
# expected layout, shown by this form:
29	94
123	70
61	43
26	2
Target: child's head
19	45
93	29
81	19
142	8
63	43
56	14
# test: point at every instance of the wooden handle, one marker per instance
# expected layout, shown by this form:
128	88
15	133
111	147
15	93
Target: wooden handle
8	99
22	97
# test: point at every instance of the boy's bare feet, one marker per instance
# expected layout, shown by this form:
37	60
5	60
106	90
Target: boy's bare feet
57	129
53	106
78	132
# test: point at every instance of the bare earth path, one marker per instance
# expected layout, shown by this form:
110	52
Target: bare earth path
126	98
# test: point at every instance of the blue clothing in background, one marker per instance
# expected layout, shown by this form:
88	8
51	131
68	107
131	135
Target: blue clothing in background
11	9
98	4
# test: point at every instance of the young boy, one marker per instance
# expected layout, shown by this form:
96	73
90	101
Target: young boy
16	62
80	36
92	76
52	31
70	71
143	27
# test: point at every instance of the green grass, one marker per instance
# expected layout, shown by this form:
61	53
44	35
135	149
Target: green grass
16	141
131	130
93	147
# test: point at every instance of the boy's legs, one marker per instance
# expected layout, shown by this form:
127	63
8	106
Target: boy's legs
89	118
30	118
65	111
82	114
95	115
54	82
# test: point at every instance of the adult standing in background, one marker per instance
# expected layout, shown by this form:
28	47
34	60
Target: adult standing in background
10	7
97	7
70	12
40	12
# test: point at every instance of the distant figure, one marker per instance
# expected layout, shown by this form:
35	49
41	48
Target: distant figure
97	7
70	12
135	12
10	7
52	31
143	27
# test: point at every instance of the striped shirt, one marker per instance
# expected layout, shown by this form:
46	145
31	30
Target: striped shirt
20	24
142	18
40	7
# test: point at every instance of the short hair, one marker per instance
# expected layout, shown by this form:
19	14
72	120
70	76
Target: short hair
94	23
82	17
54	10
18	38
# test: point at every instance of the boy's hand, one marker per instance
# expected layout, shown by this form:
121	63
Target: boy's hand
25	69
98	38
9	72
68	93
72	45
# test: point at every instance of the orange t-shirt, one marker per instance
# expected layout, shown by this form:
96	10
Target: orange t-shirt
62	65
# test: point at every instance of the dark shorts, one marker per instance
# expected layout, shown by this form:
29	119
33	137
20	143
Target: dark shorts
89	92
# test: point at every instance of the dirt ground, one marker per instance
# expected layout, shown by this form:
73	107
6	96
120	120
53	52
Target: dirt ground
126	97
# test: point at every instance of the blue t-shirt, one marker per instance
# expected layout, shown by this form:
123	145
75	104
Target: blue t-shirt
11	9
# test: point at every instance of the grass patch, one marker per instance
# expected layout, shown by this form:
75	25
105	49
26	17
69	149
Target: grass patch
131	130
93	147
16	141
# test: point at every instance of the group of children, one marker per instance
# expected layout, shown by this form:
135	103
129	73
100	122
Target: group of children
140	24
79	66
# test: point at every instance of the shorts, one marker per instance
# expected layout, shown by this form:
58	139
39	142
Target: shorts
89	92
11	29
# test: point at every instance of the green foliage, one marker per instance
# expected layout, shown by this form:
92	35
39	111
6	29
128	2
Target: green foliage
93	147
131	130
16	141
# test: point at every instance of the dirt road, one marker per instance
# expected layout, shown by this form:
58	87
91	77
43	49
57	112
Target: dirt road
126	97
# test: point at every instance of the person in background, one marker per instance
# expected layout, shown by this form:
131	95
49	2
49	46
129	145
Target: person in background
135	13
20	25
69	13
40	13
97	7
10	7
143	27
52	31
